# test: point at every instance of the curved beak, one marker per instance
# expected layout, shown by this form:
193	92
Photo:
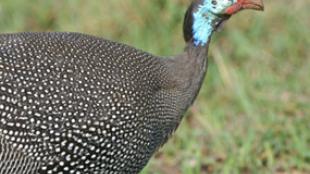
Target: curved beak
252	4
245	4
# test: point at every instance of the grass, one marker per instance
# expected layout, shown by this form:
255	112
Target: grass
253	112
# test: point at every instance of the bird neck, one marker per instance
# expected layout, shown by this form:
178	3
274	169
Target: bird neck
186	73
194	62
187	70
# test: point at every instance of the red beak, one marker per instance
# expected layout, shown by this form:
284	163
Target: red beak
245	4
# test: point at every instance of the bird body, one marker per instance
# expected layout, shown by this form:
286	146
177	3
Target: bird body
75	103
72	89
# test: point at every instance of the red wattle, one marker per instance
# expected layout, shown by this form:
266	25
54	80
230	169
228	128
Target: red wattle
233	9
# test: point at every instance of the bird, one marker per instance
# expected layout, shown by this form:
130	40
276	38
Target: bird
72	103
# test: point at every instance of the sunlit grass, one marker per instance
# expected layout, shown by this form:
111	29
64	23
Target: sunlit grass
253	112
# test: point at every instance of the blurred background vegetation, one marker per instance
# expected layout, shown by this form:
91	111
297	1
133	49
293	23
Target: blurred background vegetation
253	112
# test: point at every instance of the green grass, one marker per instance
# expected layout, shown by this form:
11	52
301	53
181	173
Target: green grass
253	112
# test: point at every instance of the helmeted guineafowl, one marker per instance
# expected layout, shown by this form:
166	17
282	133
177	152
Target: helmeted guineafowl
78	104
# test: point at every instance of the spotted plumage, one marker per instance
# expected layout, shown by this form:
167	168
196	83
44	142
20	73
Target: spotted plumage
69	97
77	104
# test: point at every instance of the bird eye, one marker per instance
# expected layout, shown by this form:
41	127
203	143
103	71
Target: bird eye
214	2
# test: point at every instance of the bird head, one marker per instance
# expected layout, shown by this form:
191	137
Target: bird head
205	16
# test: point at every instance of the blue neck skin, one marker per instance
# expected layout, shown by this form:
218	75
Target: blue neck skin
203	25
